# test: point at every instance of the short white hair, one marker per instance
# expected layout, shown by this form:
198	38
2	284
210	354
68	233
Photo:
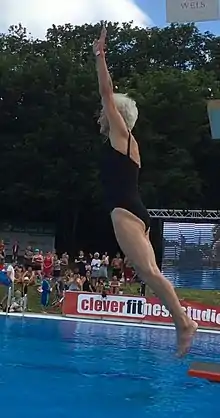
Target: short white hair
127	108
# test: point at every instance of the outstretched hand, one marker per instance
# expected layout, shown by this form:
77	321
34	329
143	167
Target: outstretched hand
99	44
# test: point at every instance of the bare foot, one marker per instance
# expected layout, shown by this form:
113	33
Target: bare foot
185	337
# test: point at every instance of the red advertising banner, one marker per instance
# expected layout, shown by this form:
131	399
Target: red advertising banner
135	309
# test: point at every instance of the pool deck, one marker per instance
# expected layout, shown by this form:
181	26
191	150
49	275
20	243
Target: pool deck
100	320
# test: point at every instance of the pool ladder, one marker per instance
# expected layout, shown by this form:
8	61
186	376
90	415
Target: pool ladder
9	300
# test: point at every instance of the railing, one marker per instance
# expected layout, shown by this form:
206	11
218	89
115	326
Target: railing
24	304
9	300
184	214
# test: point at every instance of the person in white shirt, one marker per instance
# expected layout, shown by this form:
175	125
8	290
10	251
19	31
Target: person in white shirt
11	275
11	272
95	267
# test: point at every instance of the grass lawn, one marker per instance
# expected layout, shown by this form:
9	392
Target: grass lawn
209	297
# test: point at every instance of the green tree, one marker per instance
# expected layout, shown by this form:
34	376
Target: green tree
50	146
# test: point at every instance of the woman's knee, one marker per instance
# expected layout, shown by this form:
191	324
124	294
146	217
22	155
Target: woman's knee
148	270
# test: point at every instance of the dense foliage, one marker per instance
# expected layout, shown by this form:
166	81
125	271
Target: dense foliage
50	144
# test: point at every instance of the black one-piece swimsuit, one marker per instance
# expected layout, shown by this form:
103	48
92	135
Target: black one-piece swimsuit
119	175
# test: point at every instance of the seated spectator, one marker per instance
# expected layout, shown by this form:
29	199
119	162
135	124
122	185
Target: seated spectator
100	286
74	284
88	277
86	285
59	294
19	271
25	284
30	274
114	286
17	302
59	288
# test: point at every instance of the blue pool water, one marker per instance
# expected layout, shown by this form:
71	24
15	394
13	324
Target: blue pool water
204	278
57	369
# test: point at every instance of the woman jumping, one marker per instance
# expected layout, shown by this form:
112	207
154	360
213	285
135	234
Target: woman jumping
129	217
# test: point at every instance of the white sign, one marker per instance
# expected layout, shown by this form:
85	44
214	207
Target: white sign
111	305
186	11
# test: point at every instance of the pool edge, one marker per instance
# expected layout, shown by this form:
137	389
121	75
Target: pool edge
101	321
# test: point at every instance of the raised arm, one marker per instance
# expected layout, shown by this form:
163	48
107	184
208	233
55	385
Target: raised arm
116	122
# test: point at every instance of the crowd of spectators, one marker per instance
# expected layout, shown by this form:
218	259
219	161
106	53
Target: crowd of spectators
52	274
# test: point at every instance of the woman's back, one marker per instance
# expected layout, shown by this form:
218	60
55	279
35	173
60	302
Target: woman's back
119	174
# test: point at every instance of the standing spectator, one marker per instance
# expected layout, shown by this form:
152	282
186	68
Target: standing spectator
95	266
48	265
117	266
37	261
56	268
45	294
128	271
103	271
80	263
28	256
64	262
15	249
11	275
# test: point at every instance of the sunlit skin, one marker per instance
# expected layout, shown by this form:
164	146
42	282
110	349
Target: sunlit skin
130	219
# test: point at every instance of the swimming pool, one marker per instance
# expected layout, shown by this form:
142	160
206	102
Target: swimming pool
204	278
57	369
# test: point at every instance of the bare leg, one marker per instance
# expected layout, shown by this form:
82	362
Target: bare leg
130	234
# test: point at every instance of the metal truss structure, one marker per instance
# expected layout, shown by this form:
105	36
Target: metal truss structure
185	214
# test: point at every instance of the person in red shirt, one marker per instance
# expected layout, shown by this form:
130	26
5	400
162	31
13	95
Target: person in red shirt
48	265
